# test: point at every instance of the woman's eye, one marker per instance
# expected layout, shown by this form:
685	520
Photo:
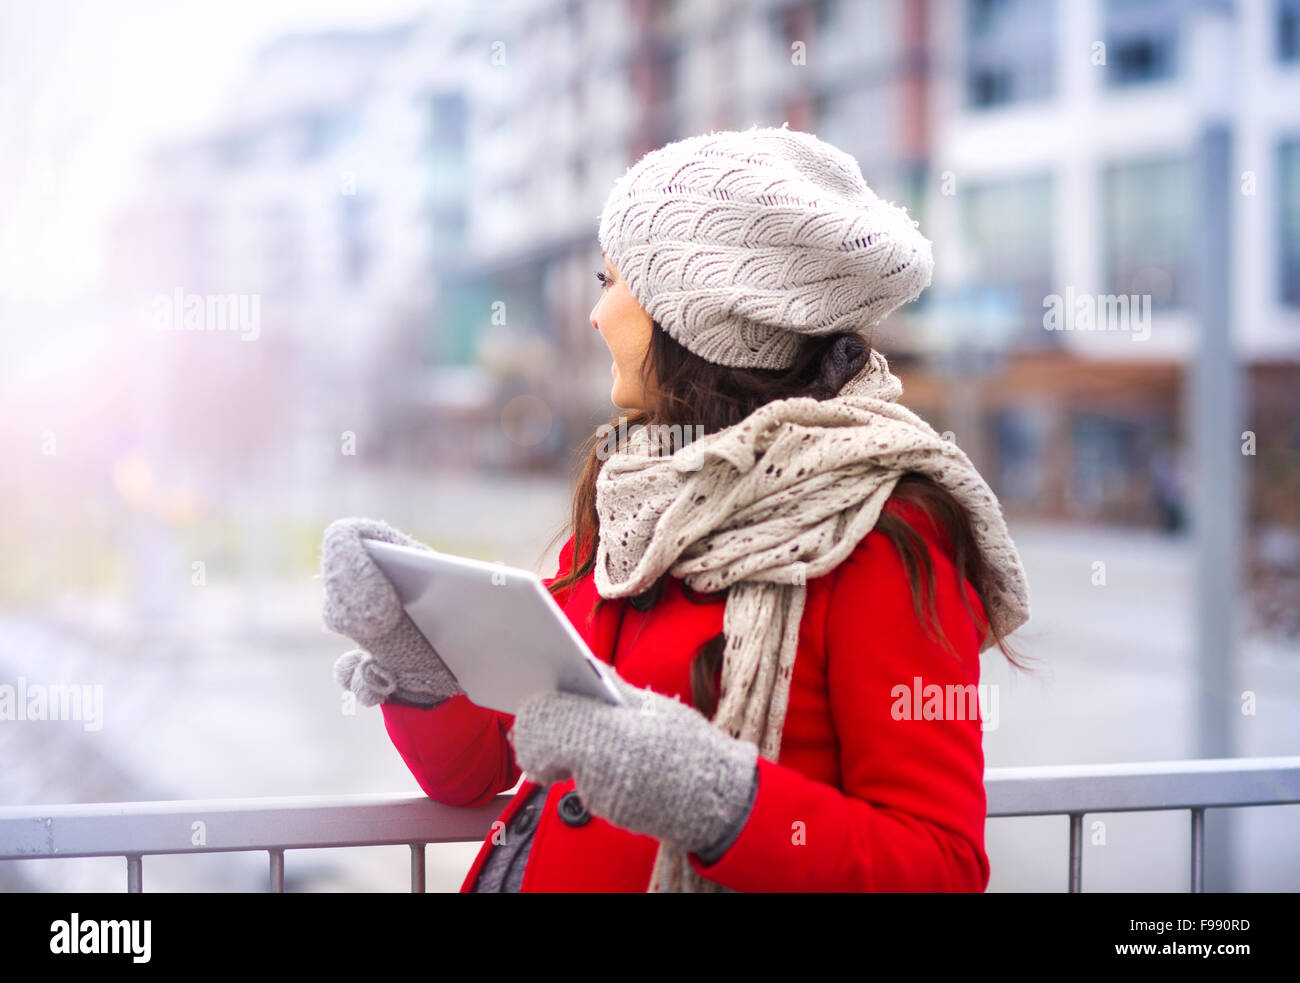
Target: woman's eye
605	281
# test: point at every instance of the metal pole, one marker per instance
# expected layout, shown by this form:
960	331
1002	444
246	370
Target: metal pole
1198	851
417	868
1076	852
277	871
1215	419
1213	405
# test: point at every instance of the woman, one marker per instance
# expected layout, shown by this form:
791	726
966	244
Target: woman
771	593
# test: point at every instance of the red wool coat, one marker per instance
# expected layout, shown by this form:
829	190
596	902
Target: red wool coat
858	801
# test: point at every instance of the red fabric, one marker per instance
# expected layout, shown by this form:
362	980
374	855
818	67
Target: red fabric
859	800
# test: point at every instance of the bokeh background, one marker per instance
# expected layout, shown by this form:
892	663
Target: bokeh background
267	264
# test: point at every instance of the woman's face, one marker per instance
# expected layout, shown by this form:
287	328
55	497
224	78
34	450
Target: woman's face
626	329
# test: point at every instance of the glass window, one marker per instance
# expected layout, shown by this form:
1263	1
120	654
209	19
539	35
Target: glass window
449	120
1010	51
1007	226
1288	30
1141	40
457	319
449	227
322	132
353	211
1007	232
283	240
1103	449
1146	230
1021	440
1288	180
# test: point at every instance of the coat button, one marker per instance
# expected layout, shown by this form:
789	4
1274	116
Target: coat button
525	819
572	811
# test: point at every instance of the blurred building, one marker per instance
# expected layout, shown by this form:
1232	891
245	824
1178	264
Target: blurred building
1063	161
418	208
566	94
324	195
1036	173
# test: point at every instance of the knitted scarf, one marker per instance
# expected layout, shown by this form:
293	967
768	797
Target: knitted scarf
762	506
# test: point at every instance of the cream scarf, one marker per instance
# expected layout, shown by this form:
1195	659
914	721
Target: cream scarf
761	507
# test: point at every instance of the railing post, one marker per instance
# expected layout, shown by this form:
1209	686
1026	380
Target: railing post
277	871
1076	853
1198	850
417	868
134	874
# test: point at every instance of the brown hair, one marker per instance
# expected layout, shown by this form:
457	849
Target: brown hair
703	397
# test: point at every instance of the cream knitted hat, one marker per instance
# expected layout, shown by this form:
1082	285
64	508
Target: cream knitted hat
740	242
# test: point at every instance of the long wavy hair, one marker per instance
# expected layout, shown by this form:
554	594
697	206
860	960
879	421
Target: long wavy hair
702	398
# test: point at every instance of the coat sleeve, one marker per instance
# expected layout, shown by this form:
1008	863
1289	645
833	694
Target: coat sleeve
458	750
912	811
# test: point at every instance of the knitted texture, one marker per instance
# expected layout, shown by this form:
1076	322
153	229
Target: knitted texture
655	766
360	602
740	243
762	506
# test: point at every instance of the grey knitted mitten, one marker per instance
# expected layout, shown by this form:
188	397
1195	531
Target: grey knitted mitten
656	767
395	660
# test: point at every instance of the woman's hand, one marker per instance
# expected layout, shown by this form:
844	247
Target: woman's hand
656	767
395	660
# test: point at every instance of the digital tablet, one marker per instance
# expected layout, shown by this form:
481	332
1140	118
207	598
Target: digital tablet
497	628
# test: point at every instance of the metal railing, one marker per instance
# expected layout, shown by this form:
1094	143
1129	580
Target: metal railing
1145	786
134	830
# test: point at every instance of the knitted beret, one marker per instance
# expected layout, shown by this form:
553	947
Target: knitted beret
739	243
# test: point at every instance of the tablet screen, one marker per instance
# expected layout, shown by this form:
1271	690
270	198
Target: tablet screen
497	628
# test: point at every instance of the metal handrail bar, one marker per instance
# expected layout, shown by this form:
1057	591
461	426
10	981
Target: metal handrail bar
134	830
